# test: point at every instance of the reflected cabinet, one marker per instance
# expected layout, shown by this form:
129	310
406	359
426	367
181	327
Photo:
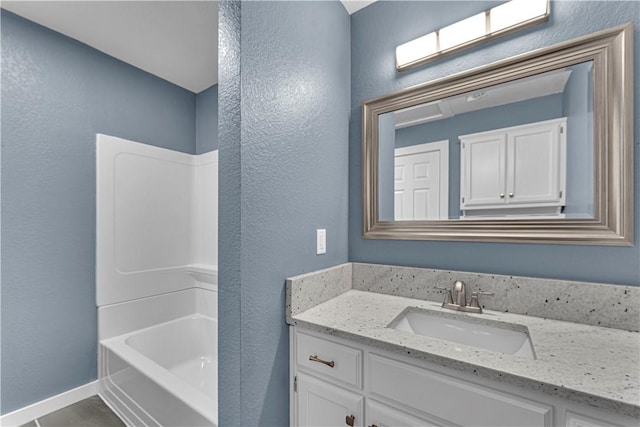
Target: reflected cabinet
517	171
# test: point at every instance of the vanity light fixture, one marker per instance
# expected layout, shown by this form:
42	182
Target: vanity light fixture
498	21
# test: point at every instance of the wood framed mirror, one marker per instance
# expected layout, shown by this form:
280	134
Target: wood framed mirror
545	163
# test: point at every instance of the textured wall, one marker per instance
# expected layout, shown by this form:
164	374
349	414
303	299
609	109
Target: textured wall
374	74
56	95
207	120
229	228
292	156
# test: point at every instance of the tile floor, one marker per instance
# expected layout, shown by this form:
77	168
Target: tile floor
90	412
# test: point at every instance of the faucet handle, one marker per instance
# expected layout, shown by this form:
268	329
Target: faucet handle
474	299
448	298
476	293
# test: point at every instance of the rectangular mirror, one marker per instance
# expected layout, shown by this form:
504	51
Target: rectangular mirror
536	148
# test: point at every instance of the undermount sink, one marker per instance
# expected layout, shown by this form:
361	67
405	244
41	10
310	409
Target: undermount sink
503	337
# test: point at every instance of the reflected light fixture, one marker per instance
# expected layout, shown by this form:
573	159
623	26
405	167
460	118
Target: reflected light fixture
498	21
475	96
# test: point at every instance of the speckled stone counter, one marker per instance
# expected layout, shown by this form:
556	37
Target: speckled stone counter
581	362
598	304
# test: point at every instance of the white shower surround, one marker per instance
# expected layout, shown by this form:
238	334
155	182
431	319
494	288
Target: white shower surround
157	219
156	283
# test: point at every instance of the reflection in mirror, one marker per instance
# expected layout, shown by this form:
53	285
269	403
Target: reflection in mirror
555	166
518	150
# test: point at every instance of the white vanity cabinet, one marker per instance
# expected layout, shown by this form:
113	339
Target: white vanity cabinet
520	168
381	415
327	383
321	403
337	382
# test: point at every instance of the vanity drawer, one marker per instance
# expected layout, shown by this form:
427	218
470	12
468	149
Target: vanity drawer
450	399
329	359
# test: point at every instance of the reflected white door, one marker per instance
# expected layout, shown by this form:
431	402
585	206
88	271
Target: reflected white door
422	182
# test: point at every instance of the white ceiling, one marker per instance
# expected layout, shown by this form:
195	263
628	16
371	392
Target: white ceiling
174	40
355	5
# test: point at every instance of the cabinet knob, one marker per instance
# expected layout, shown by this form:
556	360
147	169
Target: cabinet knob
510	194
350	420
502	195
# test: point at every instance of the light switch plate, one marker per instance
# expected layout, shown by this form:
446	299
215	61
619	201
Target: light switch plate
321	241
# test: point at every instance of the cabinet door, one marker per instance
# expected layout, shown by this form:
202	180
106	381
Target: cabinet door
483	171
453	400
534	173
323	404
379	415
574	419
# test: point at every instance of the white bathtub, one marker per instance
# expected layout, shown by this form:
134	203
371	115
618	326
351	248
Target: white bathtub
164	374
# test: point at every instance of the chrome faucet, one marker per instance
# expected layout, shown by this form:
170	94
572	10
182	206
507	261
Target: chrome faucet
456	298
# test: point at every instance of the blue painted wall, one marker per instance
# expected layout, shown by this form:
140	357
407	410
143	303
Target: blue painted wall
290	148
374	74
229	210
386	165
207	120
56	95
514	114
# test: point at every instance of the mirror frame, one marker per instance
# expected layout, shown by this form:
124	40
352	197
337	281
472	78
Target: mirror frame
611	51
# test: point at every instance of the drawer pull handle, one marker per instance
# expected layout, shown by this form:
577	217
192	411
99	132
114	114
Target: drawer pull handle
315	358
373	425
350	420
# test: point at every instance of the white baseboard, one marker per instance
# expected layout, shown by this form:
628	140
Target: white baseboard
53	403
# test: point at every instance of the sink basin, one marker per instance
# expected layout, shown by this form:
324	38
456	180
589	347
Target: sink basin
497	336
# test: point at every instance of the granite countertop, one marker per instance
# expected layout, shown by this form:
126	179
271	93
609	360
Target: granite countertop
583	363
